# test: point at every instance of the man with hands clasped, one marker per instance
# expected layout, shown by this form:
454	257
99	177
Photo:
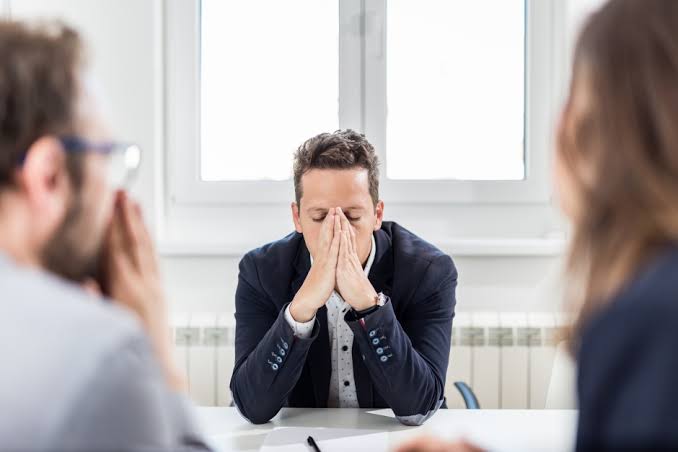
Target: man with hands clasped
349	310
338	267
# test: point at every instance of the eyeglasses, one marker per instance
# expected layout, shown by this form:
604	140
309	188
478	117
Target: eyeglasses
124	158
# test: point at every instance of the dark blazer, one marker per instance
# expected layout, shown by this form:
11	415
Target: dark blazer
400	351
628	365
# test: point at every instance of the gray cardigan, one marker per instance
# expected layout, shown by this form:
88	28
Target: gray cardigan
77	373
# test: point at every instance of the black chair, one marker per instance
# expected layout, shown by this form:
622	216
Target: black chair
467	394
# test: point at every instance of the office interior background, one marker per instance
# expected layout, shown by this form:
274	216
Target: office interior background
458	97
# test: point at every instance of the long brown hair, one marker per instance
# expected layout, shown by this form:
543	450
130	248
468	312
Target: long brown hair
622	154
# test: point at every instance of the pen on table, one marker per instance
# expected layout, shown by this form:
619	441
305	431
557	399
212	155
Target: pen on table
313	444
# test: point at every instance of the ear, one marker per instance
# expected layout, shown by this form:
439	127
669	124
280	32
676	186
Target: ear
379	210
44	180
295	218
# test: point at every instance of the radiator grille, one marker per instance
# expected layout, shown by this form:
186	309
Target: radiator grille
506	358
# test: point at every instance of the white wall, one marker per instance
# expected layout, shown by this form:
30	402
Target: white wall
124	38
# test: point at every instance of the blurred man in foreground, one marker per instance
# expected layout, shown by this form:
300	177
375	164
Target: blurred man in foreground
78	372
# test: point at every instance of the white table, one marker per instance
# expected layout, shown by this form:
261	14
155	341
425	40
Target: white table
510	430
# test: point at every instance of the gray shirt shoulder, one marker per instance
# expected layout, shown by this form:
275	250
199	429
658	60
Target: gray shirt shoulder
79	373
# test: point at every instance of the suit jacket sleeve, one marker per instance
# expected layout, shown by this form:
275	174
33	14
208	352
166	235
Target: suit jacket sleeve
269	359
408	360
627	380
128	406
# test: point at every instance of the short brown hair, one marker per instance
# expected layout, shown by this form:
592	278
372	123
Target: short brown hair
343	149
38	88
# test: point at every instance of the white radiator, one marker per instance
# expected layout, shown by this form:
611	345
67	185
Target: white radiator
506	358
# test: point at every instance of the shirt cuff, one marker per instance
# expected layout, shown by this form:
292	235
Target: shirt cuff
301	330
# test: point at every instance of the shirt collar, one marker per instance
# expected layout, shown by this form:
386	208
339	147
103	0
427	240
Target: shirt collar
370	259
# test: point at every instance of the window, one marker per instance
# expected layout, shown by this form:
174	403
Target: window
457	96
268	81
453	71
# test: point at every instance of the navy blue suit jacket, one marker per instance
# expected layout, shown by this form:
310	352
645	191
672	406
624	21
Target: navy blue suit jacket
400	353
628	365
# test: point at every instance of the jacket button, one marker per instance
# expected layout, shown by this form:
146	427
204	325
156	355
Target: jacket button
276	367
383	358
279	359
375	341
373	333
380	351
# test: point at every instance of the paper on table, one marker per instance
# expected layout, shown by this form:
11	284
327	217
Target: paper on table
293	439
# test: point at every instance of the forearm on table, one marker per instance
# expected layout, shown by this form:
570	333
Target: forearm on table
408	382
263	379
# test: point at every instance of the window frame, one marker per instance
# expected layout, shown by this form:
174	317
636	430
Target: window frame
183	113
362	106
229	218
540	89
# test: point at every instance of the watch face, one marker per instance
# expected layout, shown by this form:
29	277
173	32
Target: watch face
381	299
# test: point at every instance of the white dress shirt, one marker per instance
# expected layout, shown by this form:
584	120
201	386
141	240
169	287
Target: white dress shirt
342	382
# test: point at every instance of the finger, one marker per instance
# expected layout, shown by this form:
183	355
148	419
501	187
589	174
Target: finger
346	227
115	242
340	254
335	246
147	254
120	270
130	230
337	226
343	247
92	287
469	447
112	246
348	256
344	221
326	232
426	444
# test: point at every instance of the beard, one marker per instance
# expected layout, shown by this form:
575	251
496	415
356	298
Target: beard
67	253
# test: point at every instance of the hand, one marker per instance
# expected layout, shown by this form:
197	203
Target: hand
428	444
320	281
92	287
352	282
132	279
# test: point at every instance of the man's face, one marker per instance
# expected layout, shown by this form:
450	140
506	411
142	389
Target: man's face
346	188
74	250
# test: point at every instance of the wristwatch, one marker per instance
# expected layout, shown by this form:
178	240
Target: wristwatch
381	301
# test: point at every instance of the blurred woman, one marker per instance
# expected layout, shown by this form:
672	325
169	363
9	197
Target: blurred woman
616	172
